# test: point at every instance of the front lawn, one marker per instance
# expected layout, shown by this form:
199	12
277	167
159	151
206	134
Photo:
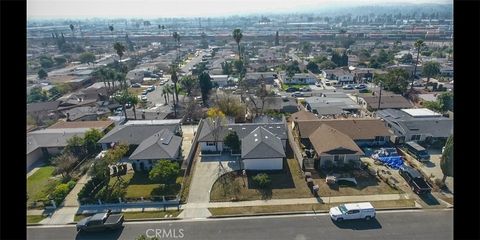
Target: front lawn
35	218
139	215
287	183
41	184
366	185
136	91
286	86
403	203
139	185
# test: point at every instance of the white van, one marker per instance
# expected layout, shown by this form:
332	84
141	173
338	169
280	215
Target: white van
351	211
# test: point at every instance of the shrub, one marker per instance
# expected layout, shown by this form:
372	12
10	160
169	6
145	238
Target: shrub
71	184
60	193
262	180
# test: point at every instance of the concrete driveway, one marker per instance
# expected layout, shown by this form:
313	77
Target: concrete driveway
433	167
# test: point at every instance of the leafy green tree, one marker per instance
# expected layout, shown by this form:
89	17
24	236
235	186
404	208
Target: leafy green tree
406	59
237	36
319	59
123	98
205	86
433	105
430	69
395	80
164	172
37	95
230	106
262	180
91	138
116	153
87	57
313	67
42	74
54	91
46	62
446	161
226	68
120	49
188	84
76	146
446	101
382	57
306	48
232	141
60	61
133	99
327	65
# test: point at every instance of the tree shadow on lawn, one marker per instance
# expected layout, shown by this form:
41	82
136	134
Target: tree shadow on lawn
281	179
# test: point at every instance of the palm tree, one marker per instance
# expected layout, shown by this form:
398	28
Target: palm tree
120	49
188	84
237	35
123	99
72	29
176	37
430	69
133	99
419	44
174	77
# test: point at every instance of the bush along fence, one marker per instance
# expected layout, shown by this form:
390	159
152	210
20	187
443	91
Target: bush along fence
55	198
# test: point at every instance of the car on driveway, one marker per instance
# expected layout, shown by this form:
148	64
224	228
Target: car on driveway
352	211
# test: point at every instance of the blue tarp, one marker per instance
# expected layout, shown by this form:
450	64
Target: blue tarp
393	162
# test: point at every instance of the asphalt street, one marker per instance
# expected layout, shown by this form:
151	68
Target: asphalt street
414	224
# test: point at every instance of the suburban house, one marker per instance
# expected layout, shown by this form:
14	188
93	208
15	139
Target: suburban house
420	124
86	113
364	132
277	104
338	74
262	150
298	78
259	142
151	140
255	77
361	75
331	106
333	147
388	101
44	110
50	141
220	80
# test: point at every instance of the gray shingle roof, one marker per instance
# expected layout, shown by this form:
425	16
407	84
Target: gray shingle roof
56	137
162	145
42	106
261	143
278	129
134	134
433	126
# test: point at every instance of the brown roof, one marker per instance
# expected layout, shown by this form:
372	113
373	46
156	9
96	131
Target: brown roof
329	141
82	124
357	129
391	101
303	115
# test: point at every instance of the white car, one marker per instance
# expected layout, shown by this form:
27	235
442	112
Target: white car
143	98
352	211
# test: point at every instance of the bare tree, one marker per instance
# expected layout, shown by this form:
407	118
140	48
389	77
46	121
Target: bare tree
64	163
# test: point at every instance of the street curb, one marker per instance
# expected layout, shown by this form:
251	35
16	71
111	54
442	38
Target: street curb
34	224
301	212
151	219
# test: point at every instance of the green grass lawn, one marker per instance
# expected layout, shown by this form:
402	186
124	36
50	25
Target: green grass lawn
139	185
286	86
35	218
40	184
403	203
138	215
285	184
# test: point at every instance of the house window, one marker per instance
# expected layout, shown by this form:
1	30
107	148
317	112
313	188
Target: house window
415	137
210	143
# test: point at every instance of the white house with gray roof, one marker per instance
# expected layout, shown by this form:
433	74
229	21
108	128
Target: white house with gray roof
262	150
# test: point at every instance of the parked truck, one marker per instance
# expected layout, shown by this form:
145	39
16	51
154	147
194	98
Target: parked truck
101	222
415	180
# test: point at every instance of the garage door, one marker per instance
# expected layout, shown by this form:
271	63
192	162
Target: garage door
263	164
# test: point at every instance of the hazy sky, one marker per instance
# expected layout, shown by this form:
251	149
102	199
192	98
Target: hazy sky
181	8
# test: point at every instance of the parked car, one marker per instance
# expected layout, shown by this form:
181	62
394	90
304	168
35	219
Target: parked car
361	86
144	92
292	89
348	87
415	180
363	90
143	98
101	222
136	85
419	152
305	89
352	211
297	94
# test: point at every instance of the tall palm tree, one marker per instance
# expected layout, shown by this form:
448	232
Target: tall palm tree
237	35
133	99
123	99
174	78
419	44
120	49
176	37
